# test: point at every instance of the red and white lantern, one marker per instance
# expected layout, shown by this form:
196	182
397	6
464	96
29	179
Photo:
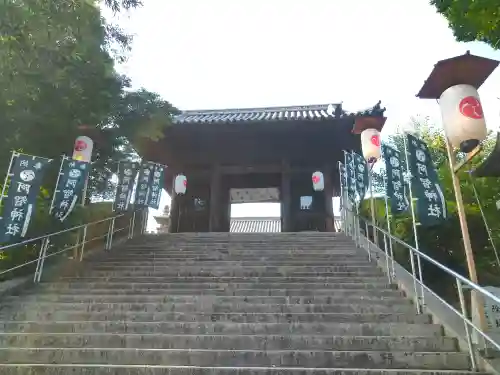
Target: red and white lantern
180	184
82	150
463	118
370	145
318	181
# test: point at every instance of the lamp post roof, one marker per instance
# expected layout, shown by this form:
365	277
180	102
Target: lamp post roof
464	69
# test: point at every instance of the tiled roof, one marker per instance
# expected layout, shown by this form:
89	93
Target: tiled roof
287	113
255	225
306	112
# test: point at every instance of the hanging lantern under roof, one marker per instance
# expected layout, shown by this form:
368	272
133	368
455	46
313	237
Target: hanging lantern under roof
180	184
370	145
318	181
463	118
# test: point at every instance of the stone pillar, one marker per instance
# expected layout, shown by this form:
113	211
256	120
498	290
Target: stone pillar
215	202
329	216
174	213
286	199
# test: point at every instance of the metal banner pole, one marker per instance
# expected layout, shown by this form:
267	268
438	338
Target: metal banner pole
388	218
420	299
64	157
372	206
8	174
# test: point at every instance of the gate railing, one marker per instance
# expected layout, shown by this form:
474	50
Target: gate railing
101	230
354	226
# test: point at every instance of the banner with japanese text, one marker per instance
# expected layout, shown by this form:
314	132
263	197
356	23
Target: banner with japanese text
430	202
350	177
157	185
342	183
69	189
127	171
394	181
26	177
361	172
144	184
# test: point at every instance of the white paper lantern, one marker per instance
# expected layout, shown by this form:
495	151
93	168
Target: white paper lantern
318	181
463	118
370	145
180	184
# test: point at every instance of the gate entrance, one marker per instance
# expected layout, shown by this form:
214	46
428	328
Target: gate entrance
258	155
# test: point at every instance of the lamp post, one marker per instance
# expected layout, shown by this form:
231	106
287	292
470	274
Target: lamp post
369	128
454	83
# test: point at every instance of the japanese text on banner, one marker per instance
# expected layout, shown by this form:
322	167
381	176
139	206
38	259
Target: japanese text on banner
127	172
27	174
70	187
361	173
430	204
157	184
350	177
394	181
144	182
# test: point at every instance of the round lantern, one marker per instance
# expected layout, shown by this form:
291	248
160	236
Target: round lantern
370	145
180	184
82	150
318	181
463	118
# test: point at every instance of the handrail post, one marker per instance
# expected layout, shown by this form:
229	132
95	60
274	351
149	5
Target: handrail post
368	247
386	250
132	226
84	239
43	244
466	325
44	255
111	229
414	275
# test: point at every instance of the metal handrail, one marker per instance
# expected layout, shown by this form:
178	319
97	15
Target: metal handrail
354	230
79	245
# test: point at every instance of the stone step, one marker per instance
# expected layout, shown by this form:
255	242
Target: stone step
278	255
305	292
247	358
67	315
273	286
297	278
166	262
353	284
226	328
106	369
187	270
241	255
343	306
220	342
96	295
321	266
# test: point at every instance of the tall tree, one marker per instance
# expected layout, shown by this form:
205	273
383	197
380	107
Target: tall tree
472	20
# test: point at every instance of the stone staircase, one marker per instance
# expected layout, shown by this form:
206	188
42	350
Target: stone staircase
200	304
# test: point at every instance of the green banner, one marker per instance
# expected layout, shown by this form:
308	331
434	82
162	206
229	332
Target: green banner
71	183
157	185
26	177
127	171
361	172
394	181
430	202
144	184
350	177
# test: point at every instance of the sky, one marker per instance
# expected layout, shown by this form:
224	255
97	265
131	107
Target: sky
200	54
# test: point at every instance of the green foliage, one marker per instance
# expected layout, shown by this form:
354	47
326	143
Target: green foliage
444	242
472	20
57	73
